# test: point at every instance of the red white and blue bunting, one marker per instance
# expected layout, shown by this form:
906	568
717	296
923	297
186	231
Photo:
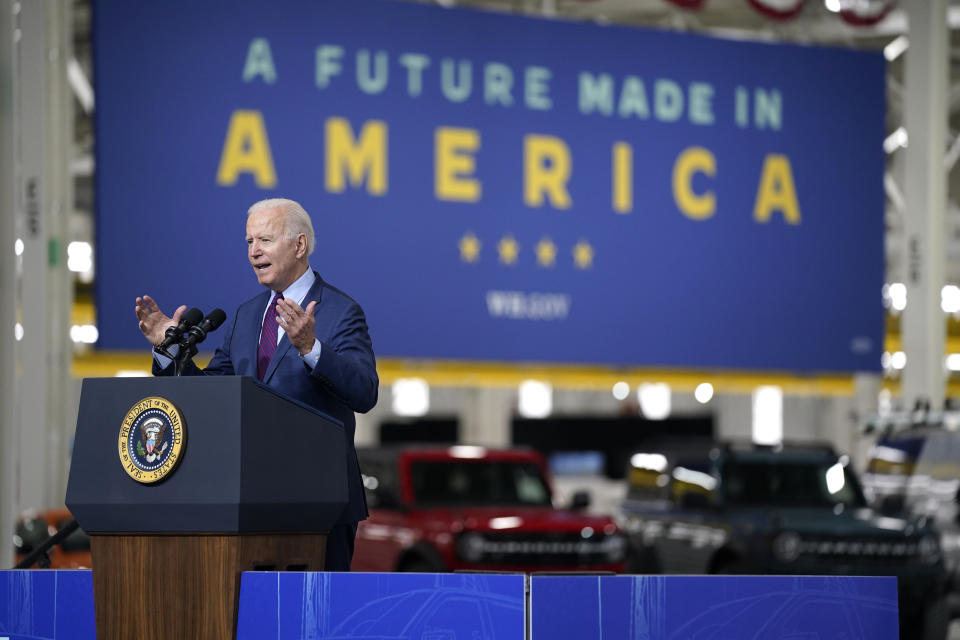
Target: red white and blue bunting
688	4
778	9
864	13
860	13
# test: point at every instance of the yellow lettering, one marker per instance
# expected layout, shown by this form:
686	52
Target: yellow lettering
694	160
546	170
776	191
622	177
246	150
454	164
366	158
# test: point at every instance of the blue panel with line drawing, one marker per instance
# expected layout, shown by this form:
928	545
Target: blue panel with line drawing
380	605
712	607
46	605
55	605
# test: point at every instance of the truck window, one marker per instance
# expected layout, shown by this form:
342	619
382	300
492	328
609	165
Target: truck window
796	483
482	482
692	485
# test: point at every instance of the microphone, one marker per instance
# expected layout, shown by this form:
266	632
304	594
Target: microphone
173	334
198	333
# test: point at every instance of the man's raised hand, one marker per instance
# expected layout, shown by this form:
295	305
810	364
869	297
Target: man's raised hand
153	323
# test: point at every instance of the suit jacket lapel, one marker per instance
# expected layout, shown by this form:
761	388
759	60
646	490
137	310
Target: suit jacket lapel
285	347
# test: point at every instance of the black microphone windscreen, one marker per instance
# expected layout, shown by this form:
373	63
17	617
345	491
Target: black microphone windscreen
215	318
192	317
188	320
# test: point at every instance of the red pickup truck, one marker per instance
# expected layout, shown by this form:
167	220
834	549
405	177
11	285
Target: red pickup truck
471	508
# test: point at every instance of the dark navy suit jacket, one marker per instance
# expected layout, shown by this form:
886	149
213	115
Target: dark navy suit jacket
344	380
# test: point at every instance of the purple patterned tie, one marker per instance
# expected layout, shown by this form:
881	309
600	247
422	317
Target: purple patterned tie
268	337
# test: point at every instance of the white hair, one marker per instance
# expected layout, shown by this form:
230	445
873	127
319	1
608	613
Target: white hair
296	218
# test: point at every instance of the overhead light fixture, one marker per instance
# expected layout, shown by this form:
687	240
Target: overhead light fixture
895	140
952	362
768	415
654	400
411	397
895	295
79	257
80	84
621	390
536	399
898	360
950	298
703	393
895	48
84	333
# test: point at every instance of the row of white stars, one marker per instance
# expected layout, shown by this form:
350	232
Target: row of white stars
508	250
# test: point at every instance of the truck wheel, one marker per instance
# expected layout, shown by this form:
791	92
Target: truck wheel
416	565
644	561
733	567
935	620
422	558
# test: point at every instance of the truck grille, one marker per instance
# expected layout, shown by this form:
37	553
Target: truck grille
547	549
873	551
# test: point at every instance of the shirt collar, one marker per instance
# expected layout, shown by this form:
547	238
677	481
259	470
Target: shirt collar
300	287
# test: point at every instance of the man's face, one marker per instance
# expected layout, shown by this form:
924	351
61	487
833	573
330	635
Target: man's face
276	259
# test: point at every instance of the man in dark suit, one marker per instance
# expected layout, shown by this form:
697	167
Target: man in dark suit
303	337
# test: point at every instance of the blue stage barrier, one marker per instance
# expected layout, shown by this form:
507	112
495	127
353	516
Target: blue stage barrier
712	607
381	605
47	605
58	605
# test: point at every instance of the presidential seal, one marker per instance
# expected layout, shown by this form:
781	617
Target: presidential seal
152	440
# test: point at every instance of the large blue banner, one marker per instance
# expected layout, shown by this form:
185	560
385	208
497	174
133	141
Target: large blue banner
494	187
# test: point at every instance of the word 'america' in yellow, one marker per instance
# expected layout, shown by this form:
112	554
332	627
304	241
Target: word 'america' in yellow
360	160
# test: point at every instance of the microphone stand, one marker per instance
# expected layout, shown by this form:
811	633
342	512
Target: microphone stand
195	335
186	352
40	553
188	346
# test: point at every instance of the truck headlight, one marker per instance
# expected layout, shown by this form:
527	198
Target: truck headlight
786	546
928	548
615	547
470	547
950	549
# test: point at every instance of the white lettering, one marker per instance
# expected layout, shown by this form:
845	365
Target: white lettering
517	305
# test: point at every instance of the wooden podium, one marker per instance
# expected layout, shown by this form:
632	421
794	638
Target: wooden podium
260	480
